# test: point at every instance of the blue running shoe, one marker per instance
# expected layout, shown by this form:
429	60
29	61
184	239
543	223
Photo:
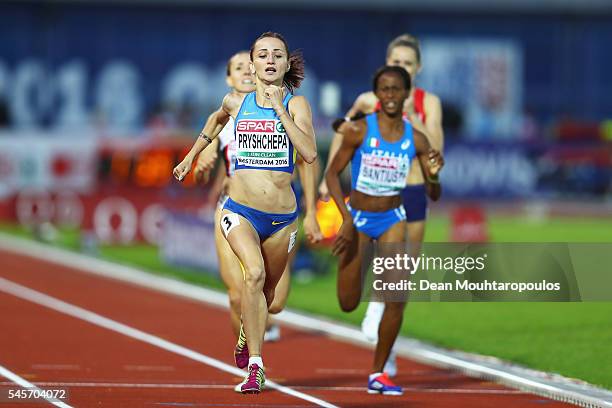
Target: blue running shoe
381	384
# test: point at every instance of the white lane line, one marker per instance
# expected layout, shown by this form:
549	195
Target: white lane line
147	368
540	383
230	386
4	372
94	318
72	367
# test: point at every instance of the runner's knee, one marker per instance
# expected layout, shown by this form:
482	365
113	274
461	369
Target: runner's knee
254	278
277	305
347	303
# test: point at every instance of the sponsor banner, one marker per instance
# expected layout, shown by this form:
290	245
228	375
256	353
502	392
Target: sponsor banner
111	216
489	170
33	167
125	216
28	162
523	170
189	240
482	76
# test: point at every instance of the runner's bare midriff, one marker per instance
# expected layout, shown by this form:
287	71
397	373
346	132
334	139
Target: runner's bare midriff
263	190
364	202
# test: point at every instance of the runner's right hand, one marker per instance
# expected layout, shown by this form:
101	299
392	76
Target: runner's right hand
182	169
204	165
312	229
323	191
344	238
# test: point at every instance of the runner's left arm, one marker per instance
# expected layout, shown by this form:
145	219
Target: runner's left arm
431	162
435	132
297	121
309	174
352	138
433	126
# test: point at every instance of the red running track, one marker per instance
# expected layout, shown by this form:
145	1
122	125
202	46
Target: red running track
103	368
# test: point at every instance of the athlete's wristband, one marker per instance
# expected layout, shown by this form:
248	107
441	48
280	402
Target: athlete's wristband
337	123
208	139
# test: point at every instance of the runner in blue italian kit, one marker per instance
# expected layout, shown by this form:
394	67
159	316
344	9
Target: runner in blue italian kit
381	148
424	110
259	217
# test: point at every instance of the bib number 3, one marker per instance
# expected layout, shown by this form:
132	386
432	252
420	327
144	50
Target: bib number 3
229	222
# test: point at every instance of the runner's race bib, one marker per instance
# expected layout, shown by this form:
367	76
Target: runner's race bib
262	143
382	175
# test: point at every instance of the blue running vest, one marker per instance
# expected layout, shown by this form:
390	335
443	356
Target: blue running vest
379	168
261	140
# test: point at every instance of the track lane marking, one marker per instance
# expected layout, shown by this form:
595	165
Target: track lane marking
6	373
536	382
301	387
50	302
